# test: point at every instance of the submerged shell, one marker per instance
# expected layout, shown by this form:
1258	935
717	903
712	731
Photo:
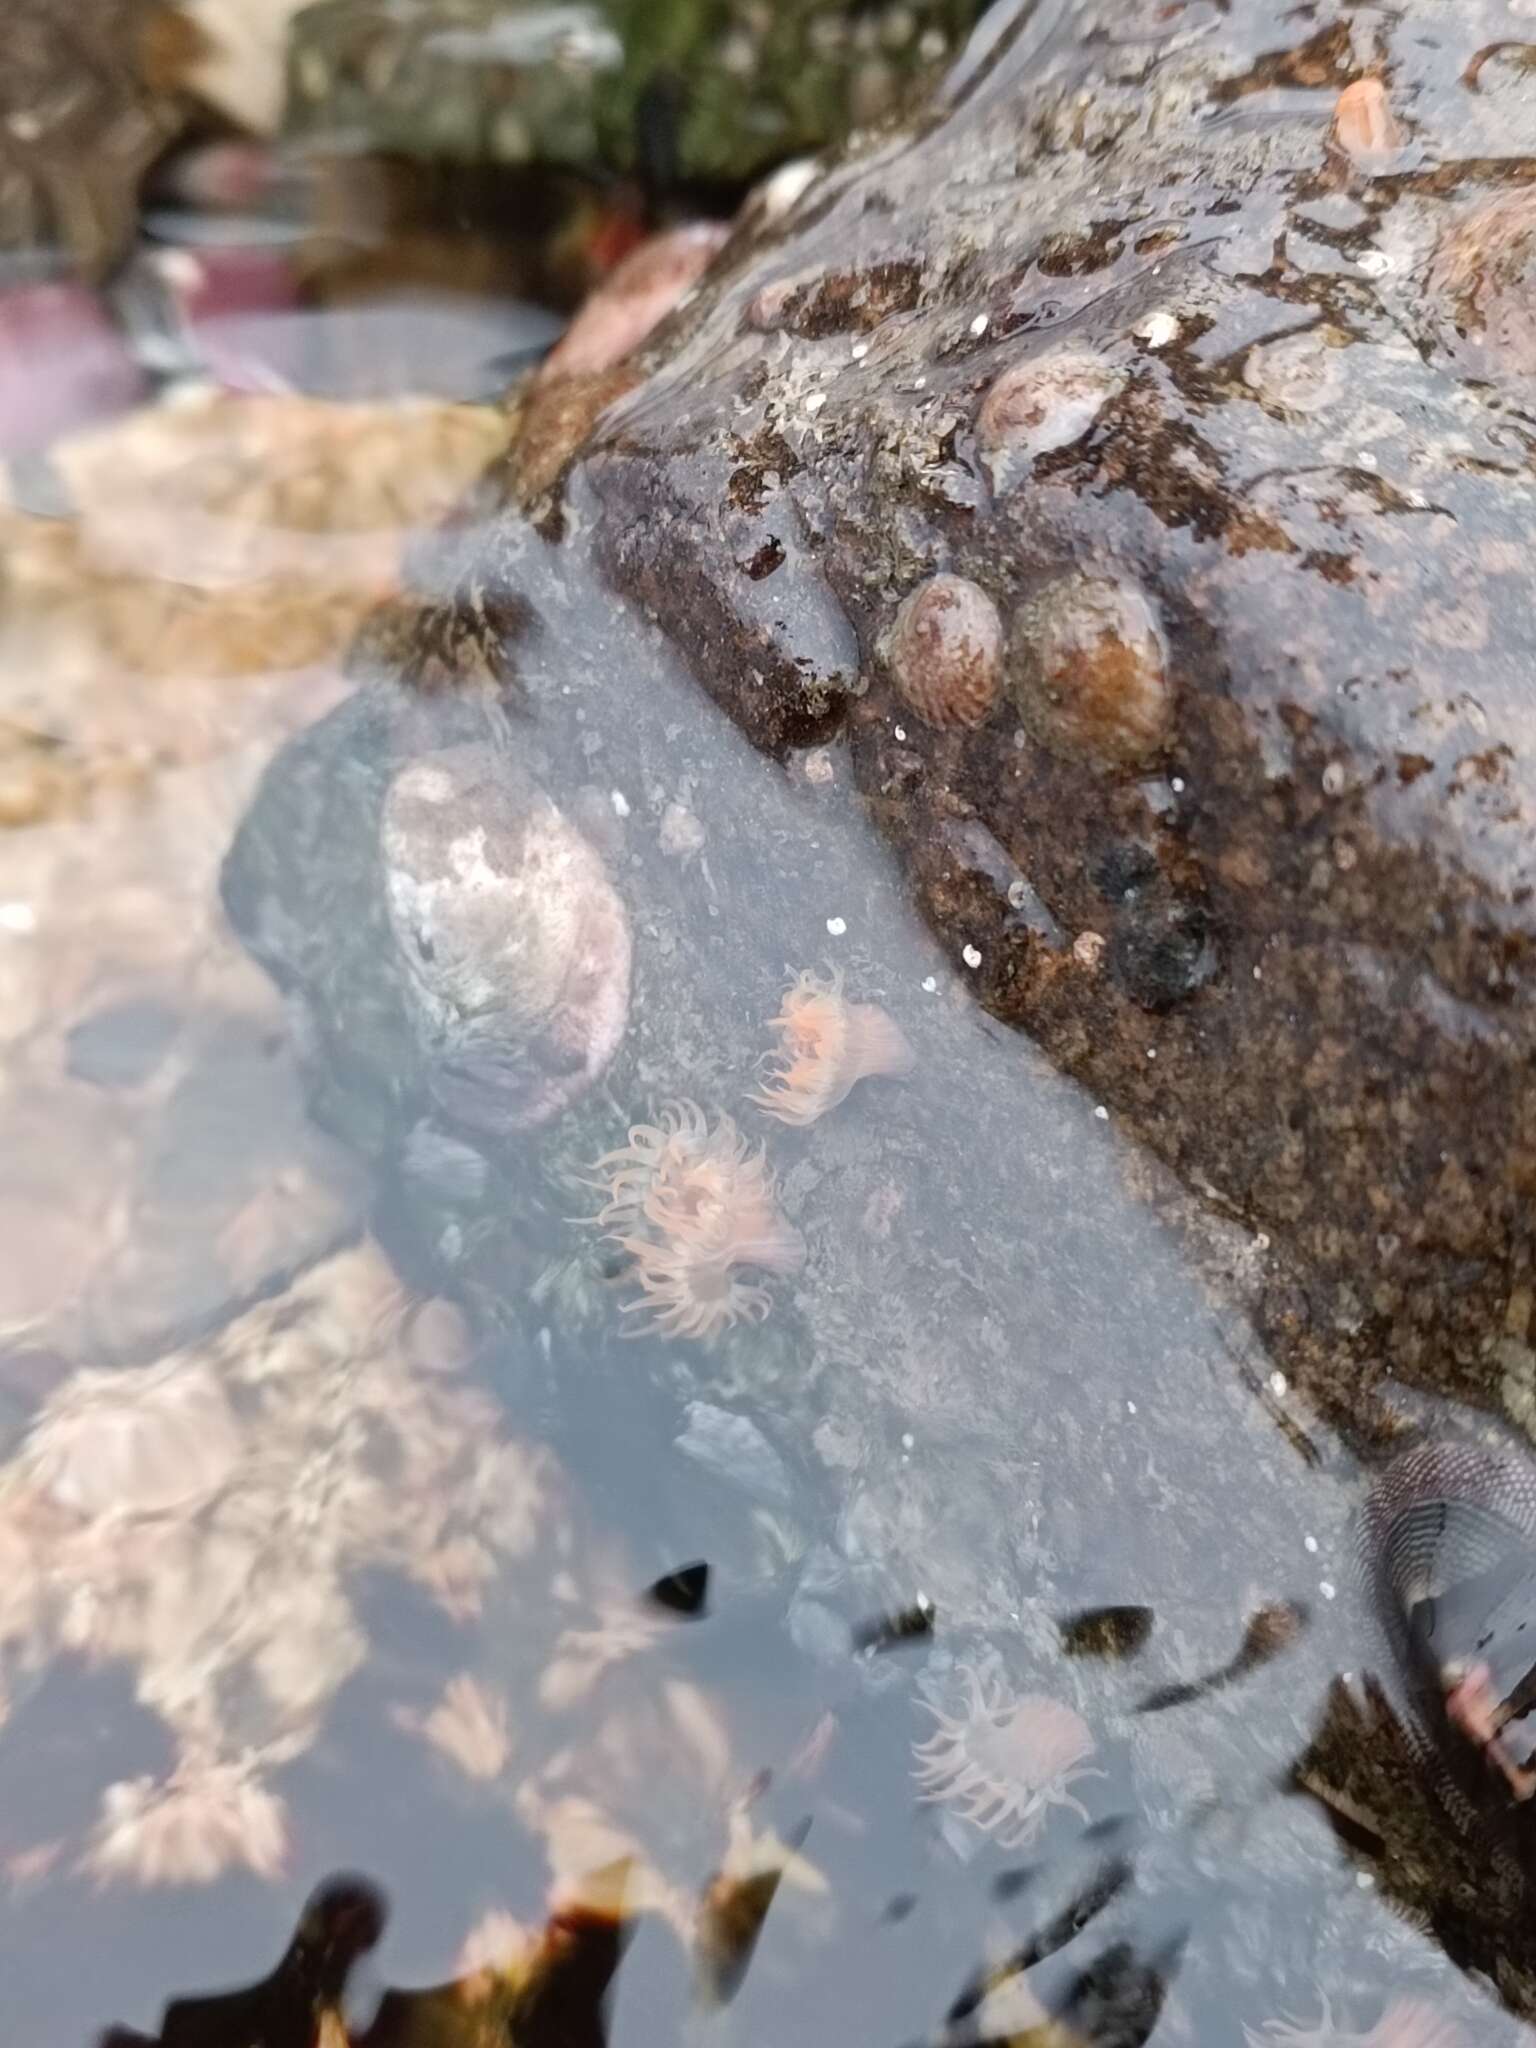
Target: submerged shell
1039	405
1003	1758
515	945
1090	671
1447	1545
945	652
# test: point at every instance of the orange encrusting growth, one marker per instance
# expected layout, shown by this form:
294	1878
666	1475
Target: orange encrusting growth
826	1045
690	1206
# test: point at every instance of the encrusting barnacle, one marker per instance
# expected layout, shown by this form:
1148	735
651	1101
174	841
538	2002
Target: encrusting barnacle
826	1046
690	1205
1003	1758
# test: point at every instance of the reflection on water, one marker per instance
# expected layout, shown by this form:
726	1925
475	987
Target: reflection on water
605	1393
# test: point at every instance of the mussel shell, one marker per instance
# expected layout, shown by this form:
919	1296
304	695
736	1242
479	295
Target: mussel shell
1448	1546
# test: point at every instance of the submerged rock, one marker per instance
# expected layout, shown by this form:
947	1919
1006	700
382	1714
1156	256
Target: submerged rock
1224	421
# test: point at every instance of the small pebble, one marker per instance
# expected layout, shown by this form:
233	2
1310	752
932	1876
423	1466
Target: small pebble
837	926
620	804
1333	778
1277	1383
1176	784
971	956
815	402
1327	1588
1375	263
901	732
930	984
1309	1543
907	1441
859	351
1158	329
980	325
1130	1407
1101	1113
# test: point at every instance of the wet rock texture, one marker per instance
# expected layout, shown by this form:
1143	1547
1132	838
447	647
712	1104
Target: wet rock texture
1236	832
1210	370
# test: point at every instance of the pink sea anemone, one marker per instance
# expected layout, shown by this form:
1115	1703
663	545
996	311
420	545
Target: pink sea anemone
1406	2023
1003	1758
826	1046
690	1206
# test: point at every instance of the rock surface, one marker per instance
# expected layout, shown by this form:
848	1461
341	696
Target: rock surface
1262	560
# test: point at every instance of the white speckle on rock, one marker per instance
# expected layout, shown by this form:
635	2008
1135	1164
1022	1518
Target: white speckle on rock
1309	1544
907	1440
901	732
1278	1384
17	917
1375	263
1101	1112
1158	329
930	984
1365	458
1176	784
1327	1588
1333	779
859	351
1130	1407
980	325
837	926
815	402
620	804
971	955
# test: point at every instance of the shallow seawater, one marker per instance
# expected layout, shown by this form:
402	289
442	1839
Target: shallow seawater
332	1487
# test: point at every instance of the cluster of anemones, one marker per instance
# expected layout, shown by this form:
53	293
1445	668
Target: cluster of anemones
692	1206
